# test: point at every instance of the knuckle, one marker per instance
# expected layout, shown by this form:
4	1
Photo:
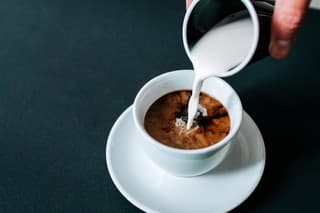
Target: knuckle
291	19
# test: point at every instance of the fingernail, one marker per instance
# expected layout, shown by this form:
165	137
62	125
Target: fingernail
280	48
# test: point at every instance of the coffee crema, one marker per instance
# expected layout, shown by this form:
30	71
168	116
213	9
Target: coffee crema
166	121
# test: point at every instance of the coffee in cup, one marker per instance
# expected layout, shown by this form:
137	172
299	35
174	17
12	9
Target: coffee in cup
166	121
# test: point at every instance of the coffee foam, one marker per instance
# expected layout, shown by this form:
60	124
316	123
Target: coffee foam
180	123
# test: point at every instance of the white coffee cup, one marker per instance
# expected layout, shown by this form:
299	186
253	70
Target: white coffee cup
181	162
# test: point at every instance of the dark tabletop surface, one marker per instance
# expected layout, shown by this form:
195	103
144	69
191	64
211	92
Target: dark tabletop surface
69	68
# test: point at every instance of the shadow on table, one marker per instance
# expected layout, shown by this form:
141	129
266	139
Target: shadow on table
285	108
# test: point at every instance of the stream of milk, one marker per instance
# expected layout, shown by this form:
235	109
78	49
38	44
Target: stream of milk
219	50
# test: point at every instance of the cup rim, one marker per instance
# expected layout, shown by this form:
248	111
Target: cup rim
140	127
256	32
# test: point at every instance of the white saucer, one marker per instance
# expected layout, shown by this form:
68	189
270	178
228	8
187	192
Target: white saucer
153	190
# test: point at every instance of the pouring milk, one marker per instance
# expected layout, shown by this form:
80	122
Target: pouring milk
219	50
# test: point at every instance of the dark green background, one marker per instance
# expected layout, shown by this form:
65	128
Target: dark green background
69	68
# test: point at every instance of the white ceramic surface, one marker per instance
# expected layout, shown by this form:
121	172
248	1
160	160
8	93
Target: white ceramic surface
315	4
153	190
182	162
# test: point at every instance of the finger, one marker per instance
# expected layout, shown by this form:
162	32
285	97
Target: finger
287	17
188	2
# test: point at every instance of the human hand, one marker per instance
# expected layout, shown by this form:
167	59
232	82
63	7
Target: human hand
286	20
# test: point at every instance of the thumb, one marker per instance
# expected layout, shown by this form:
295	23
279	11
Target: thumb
286	20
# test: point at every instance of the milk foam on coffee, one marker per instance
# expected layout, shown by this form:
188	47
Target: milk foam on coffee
218	51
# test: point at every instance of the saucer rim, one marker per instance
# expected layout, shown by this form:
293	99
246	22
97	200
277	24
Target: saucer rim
145	208
132	200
